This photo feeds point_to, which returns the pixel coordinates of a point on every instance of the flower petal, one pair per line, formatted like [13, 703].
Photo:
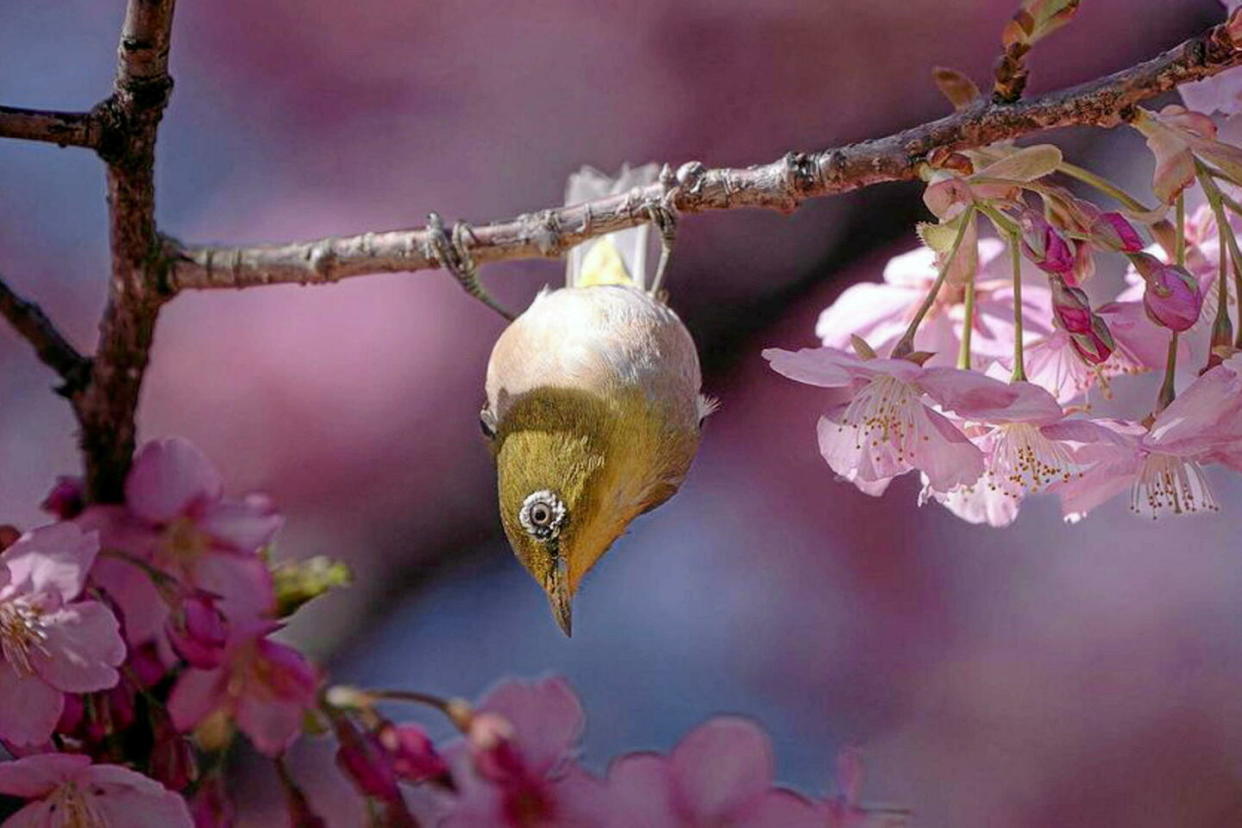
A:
[640, 787]
[82, 649]
[721, 767]
[168, 477]
[826, 367]
[52, 559]
[40, 774]
[29, 708]
[196, 694]
[978, 397]
[244, 525]
[945, 454]
[124, 797]
[547, 719]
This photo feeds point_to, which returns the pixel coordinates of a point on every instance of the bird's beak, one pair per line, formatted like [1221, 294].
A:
[560, 597]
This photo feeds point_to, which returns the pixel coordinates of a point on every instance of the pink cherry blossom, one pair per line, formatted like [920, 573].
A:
[177, 520]
[719, 774]
[1027, 446]
[516, 766]
[264, 686]
[67, 790]
[879, 313]
[1161, 466]
[889, 426]
[51, 642]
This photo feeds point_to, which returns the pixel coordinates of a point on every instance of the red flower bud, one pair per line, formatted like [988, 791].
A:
[1173, 298]
[1113, 232]
[413, 756]
[198, 631]
[365, 761]
[1070, 306]
[1095, 345]
[1043, 245]
[65, 500]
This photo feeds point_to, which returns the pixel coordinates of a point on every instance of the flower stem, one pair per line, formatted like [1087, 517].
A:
[1222, 330]
[1179, 253]
[1103, 185]
[345, 697]
[1167, 394]
[1015, 256]
[968, 325]
[905, 345]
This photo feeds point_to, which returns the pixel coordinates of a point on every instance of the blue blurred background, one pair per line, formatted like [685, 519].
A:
[1039, 675]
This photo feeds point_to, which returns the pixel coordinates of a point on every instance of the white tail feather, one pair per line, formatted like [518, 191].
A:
[617, 258]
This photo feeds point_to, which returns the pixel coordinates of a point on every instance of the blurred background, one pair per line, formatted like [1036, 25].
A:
[1039, 675]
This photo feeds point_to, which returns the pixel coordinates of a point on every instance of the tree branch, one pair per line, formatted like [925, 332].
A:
[106, 410]
[29, 320]
[780, 185]
[67, 129]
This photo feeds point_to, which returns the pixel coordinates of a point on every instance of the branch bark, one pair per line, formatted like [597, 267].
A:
[67, 129]
[780, 185]
[135, 292]
[29, 320]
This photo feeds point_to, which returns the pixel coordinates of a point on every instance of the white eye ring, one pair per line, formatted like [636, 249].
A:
[542, 515]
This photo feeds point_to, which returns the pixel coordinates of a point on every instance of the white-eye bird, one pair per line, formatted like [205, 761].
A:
[593, 406]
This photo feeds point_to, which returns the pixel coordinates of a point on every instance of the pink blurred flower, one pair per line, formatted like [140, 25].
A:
[846, 811]
[210, 805]
[414, 757]
[879, 313]
[888, 428]
[516, 767]
[1161, 465]
[365, 761]
[66, 499]
[264, 686]
[177, 520]
[719, 774]
[67, 790]
[51, 643]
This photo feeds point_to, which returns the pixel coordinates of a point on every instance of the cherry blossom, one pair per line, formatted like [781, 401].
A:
[516, 768]
[68, 790]
[879, 313]
[1162, 466]
[262, 685]
[888, 427]
[176, 520]
[52, 642]
[719, 774]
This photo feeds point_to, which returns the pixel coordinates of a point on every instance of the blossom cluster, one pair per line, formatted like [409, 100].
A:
[989, 364]
[136, 643]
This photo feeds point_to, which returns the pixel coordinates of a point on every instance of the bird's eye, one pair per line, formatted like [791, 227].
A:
[542, 515]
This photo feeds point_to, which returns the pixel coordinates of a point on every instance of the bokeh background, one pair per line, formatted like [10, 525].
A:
[1033, 676]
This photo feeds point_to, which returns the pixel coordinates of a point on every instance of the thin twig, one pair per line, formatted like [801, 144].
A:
[29, 320]
[68, 129]
[780, 185]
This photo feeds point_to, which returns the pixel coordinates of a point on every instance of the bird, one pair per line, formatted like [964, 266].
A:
[594, 405]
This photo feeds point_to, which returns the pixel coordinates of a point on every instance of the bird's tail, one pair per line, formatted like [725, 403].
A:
[621, 258]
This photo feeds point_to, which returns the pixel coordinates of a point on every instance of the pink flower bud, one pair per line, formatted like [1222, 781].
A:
[413, 756]
[365, 761]
[71, 715]
[1172, 299]
[198, 631]
[1113, 232]
[1043, 245]
[1070, 306]
[65, 500]
[1095, 345]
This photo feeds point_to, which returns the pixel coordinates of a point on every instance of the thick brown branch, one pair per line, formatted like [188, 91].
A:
[68, 129]
[106, 411]
[780, 185]
[29, 320]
